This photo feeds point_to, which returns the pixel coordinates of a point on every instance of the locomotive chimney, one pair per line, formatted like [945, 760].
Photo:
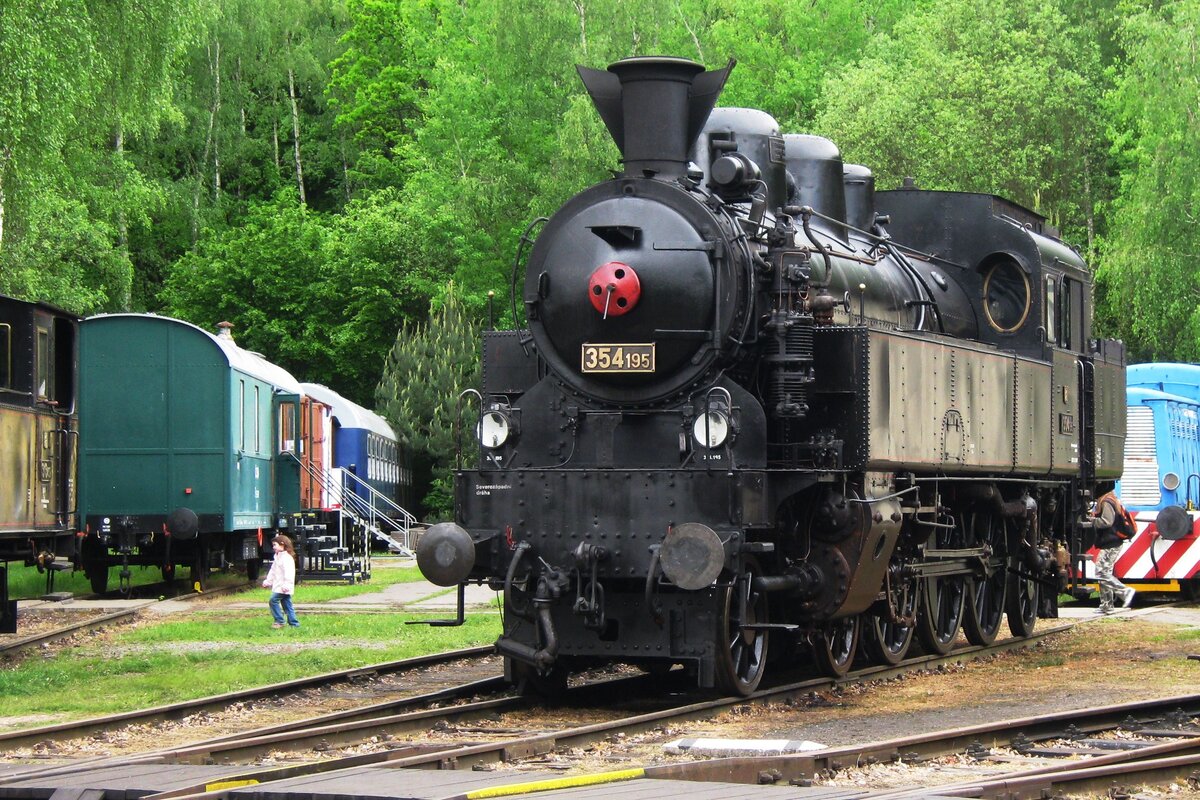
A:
[654, 108]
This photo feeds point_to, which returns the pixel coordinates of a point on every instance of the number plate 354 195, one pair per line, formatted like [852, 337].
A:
[618, 358]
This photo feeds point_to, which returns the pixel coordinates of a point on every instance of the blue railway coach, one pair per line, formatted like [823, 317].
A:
[364, 445]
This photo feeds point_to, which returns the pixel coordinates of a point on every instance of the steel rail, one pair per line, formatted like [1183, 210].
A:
[286, 735]
[29, 736]
[1153, 762]
[37, 639]
[456, 755]
[924, 746]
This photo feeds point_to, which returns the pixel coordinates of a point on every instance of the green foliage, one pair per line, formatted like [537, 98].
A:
[158, 170]
[323, 294]
[77, 84]
[431, 364]
[1150, 271]
[995, 96]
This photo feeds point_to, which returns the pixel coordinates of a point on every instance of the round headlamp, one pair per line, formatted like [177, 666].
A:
[1170, 481]
[711, 429]
[494, 429]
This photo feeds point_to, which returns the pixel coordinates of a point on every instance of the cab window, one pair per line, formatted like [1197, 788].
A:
[1051, 309]
[1006, 295]
[1071, 317]
[5, 356]
[45, 378]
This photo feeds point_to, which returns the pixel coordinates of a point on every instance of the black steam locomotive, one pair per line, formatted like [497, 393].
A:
[757, 399]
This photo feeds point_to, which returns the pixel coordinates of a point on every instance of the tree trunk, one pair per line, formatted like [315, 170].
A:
[296, 135]
[581, 10]
[275, 139]
[345, 167]
[208, 140]
[216, 111]
[126, 291]
[1089, 208]
[5, 156]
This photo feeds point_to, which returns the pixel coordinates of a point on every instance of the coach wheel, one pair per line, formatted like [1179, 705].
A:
[884, 640]
[91, 557]
[168, 573]
[940, 612]
[835, 646]
[1022, 599]
[200, 566]
[1190, 587]
[986, 594]
[97, 575]
[741, 651]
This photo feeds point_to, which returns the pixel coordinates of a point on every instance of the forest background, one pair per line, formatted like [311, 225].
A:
[326, 173]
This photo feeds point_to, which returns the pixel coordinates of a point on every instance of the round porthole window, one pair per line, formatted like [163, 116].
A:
[1006, 295]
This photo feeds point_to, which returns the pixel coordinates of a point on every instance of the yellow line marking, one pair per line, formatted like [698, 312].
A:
[219, 785]
[556, 783]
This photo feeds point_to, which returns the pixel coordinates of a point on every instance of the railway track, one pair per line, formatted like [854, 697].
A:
[14, 646]
[508, 732]
[1087, 750]
[174, 711]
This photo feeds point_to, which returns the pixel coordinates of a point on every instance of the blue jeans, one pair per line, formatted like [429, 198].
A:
[278, 599]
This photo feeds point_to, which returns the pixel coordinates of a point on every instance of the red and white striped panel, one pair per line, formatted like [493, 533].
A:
[1148, 557]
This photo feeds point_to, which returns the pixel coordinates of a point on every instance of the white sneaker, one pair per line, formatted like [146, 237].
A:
[1104, 610]
[1127, 598]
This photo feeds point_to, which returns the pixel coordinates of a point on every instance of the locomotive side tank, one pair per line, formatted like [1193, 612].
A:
[755, 399]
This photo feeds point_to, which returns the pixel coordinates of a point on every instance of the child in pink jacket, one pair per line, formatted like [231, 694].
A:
[281, 580]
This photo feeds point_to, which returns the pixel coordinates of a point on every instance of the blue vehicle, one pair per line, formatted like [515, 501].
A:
[367, 460]
[1161, 480]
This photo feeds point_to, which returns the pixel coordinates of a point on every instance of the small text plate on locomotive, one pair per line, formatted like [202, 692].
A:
[617, 357]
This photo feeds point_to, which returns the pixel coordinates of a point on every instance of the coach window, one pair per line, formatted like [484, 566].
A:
[242, 416]
[287, 428]
[257, 421]
[1051, 309]
[5, 356]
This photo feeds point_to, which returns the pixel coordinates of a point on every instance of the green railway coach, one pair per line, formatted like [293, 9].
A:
[188, 451]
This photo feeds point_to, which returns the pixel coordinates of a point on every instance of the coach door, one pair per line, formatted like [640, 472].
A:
[288, 452]
[314, 421]
[54, 404]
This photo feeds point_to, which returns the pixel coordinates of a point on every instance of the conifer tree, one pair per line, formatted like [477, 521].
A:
[430, 365]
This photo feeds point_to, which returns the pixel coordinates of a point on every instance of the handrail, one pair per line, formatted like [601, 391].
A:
[364, 510]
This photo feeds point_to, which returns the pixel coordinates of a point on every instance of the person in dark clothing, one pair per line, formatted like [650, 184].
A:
[1114, 527]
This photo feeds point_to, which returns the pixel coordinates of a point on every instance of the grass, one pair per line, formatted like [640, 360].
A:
[213, 652]
[214, 649]
[25, 583]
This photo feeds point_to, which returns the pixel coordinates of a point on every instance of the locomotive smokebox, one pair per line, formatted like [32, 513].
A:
[446, 554]
[654, 108]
